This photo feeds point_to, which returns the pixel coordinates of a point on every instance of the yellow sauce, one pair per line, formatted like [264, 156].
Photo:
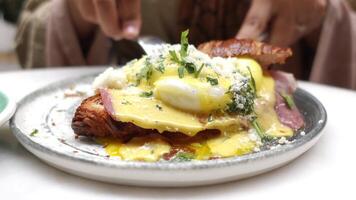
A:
[229, 143]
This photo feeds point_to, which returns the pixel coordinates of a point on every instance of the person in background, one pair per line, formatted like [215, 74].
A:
[322, 33]
[10, 9]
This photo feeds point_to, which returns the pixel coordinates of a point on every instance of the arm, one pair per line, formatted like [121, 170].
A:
[288, 21]
[78, 31]
[30, 34]
[335, 60]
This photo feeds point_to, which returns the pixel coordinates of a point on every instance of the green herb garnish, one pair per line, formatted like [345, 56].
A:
[212, 81]
[145, 72]
[34, 132]
[260, 132]
[190, 67]
[253, 83]
[181, 71]
[125, 102]
[146, 94]
[160, 67]
[289, 100]
[184, 43]
[183, 157]
[199, 70]
[159, 107]
[181, 59]
[174, 56]
[243, 98]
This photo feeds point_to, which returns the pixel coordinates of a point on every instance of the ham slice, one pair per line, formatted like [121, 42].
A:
[286, 85]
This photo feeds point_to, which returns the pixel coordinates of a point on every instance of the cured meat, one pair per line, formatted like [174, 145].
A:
[265, 54]
[286, 85]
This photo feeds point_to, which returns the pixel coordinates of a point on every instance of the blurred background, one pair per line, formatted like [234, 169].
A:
[9, 13]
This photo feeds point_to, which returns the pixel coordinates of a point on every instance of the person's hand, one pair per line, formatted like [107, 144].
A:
[118, 19]
[283, 21]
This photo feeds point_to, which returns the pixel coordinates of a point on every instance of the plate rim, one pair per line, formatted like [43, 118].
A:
[9, 109]
[196, 165]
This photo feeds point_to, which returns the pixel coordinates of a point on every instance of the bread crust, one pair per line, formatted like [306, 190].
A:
[264, 53]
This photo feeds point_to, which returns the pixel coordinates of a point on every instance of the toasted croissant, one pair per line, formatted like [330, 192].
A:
[265, 54]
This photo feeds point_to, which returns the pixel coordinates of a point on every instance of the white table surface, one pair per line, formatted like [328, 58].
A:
[327, 171]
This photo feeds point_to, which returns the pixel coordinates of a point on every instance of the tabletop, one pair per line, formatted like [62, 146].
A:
[327, 170]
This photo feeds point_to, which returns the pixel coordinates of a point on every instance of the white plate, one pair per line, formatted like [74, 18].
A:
[7, 108]
[49, 112]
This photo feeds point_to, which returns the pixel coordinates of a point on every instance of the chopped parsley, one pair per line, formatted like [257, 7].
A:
[243, 98]
[159, 107]
[212, 81]
[34, 132]
[145, 72]
[146, 94]
[180, 59]
[288, 100]
[183, 157]
[199, 70]
[160, 67]
[260, 132]
[253, 82]
[174, 56]
[125, 102]
[181, 71]
[184, 43]
[190, 67]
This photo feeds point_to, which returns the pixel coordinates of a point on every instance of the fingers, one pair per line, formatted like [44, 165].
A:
[117, 18]
[282, 34]
[130, 17]
[108, 18]
[87, 10]
[256, 20]
[285, 29]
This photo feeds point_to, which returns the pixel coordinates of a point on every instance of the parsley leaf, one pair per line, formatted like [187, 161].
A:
[125, 102]
[190, 67]
[289, 100]
[159, 107]
[160, 67]
[145, 72]
[184, 43]
[146, 94]
[260, 132]
[253, 82]
[181, 71]
[243, 98]
[199, 70]
[212, 81]
[183, 52]
[174, 56]
[34, 132]
[183, 157]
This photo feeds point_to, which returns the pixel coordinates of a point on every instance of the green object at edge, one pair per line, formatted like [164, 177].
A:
[3, 102]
